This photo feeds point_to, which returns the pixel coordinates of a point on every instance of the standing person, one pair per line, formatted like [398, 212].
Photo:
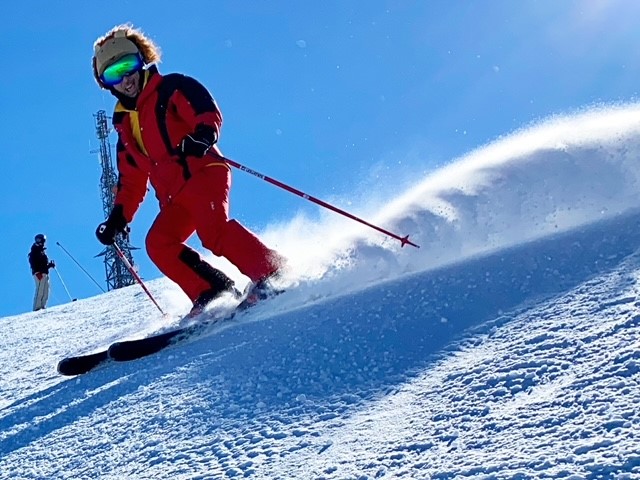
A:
[168, 127]
[40, 266]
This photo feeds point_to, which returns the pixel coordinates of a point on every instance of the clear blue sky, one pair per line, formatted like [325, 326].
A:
[315, 94]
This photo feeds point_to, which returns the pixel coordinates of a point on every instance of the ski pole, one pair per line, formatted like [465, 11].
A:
[135, 275]
[403, 240]
[64, 285]
[71, 256]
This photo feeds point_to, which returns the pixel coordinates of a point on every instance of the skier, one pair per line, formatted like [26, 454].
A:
[168, 127]
[40, 265]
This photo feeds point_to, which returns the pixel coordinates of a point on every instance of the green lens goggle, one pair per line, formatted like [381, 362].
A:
[123, 67]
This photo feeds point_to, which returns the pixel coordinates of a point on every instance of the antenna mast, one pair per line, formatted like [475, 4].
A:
[117, 274]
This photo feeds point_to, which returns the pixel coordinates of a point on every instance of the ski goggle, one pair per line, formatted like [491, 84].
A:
[123, 67]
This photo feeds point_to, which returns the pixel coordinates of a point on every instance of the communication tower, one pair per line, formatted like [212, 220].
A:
[117, 274]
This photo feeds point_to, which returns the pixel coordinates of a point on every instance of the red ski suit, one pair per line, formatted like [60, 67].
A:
[193, 193]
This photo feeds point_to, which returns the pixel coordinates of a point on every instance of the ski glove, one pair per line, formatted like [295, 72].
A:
[198, 143]
[52, 264]
[109, 229]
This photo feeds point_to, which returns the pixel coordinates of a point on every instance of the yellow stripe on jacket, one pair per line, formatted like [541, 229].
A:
[135, 128]
[135, 121]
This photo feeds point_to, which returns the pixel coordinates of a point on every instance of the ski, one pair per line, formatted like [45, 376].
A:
[126, 350]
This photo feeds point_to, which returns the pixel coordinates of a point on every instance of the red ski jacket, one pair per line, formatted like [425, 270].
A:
[168, 108]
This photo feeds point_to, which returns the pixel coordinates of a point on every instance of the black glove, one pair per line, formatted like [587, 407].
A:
[52, 264]
[116, 223]
[198, 143]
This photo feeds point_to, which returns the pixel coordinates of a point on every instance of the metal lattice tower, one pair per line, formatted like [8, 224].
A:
[118, 275]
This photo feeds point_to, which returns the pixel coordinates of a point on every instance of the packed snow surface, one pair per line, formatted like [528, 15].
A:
[506, 347]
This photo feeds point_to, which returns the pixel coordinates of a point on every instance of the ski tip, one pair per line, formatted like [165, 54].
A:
[69, 368]
[61, 368]
[72, 366]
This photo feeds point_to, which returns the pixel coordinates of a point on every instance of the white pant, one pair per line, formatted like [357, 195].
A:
[42, 292]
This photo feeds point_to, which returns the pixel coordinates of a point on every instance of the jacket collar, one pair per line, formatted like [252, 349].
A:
[151, 76]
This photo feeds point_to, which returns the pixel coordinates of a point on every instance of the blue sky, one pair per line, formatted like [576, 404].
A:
[341, 100]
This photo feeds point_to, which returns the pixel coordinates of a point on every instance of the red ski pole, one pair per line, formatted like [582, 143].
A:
[135, 275]
[403, 240]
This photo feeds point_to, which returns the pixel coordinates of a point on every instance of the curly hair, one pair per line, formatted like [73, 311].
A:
[149, 51]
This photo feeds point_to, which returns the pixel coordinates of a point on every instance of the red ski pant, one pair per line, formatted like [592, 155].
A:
[202, 206]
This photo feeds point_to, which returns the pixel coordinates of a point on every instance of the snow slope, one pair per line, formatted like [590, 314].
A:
[507, 346]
